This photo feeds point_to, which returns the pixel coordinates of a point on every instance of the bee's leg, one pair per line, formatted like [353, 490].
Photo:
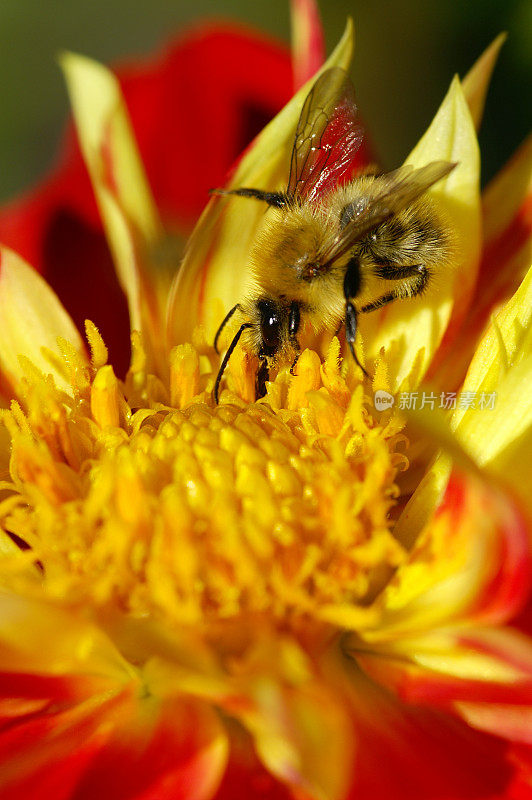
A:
[417, 272]
[226, 319]
[227, 356]
[275, 199]
[294, 362]
[297, 348]
[352, 281]
[263, 374]
[351, 332]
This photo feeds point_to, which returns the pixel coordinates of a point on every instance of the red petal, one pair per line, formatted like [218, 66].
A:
[111, 745]
[521, 786]
[416, 754]
[246, 778]
[197, 107]
[43, 755]
[406, 752]
[171, 751]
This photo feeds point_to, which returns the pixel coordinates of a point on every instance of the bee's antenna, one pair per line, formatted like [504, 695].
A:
[227, 356]
[224, 323]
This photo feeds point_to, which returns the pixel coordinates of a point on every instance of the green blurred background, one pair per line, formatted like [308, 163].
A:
[406, 54]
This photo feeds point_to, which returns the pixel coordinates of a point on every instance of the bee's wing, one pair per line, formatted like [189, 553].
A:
[401, 188]
[327, 138]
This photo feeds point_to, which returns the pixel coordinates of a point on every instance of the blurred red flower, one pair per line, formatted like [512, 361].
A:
[194, 108]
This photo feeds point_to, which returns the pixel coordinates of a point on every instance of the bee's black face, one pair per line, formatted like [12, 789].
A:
[270, 326]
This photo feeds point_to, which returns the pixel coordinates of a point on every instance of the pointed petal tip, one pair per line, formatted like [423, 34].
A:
[349, 34]
[77, 67]
[477, 80]
[64, 57]
[308, 43]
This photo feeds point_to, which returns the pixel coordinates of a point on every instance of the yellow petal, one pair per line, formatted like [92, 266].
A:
[295, 729]
[488, 431]
[31, 320]
[30, 641]
[506, 342]
[476, 82]
[126, 205]
[418, 324]
[497, 428]
[215, 268]
[293, 719]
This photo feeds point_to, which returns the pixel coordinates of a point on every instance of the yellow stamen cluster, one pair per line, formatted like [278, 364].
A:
[144, 496]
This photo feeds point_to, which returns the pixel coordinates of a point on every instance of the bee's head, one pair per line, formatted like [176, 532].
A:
[274, 323]
[278, 323]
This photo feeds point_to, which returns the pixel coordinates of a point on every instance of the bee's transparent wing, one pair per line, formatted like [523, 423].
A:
[402, 187]
[328, 136]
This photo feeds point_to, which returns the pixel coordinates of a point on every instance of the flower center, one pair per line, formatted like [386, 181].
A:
[199, 513]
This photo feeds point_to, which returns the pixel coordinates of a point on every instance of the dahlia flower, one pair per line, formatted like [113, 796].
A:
[312, 595]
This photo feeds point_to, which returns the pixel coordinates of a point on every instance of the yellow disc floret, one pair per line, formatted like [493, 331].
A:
[146, 497]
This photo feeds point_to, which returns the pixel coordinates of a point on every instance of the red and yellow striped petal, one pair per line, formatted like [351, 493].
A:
[441, 639]
[77, 720]
[409, 751]
[476, 82]
[293, 722]
[126, 205]
[289, 713]
[119, 745]
[482, 675]
[308, 44]
[471, 562]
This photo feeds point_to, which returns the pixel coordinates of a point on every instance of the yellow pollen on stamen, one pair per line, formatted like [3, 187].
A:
[200, 514]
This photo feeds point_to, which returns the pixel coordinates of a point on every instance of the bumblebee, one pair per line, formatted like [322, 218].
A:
[327, 243]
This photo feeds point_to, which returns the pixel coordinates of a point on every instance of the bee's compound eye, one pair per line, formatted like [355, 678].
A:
[270, 325]
[269, 330]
